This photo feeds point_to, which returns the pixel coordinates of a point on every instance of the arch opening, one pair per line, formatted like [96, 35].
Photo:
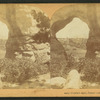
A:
[4, 32]
[74, 37]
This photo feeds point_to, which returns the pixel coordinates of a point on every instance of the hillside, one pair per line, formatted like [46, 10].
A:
[77, 42]
[74, 46]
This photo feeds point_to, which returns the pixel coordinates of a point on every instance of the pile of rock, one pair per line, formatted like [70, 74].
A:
[28, 48]
[43, 52]
[25, 48]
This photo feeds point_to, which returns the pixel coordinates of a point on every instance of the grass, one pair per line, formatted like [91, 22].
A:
[90, 68]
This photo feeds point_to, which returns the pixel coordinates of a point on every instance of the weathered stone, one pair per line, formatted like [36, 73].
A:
[23, 27]
[28, 53]
[73, 80]
[44, 77]
[60, 20]
[21, 48]
[33, 58]
[30, 41]
[26, 39]
[18, 55]
[27, 47]
[41, 46]
[25, 21]
[56, 82]
[58, 58]
[97, 54]
[42, 55]
[19, 20]
[11, 47]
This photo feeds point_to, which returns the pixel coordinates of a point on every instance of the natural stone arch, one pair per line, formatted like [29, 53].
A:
[87, 13]
[23, 26]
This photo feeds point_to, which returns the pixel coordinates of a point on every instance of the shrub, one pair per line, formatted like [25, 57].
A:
[60, 66]
[19, 70]
[91, 69]
[71, 64]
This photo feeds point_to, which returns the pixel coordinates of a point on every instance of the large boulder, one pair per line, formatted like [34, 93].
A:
[73, 80]
[56, 82]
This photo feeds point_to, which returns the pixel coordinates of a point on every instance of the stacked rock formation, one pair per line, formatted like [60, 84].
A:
[21, 42]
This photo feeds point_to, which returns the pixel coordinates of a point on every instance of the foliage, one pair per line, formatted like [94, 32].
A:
[60, 66]
[41, 18]
[43, 25]
[90, 68]
[71, 64]
[19, 70]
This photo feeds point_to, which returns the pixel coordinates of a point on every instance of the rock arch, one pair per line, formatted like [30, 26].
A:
[89, 14]
[23, 26]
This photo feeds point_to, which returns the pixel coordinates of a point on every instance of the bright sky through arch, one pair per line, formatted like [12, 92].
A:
[75, 29]
[3, 31]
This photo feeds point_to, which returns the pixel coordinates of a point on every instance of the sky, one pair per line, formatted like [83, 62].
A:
[3, 31]
[75, 29]
[49, 8]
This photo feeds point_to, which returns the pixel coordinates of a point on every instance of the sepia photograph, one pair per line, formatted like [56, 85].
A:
[51, 49]
[75, 52]
[24, 47]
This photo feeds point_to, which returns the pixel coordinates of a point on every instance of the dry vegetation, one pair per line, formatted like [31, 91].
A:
[20, 70]
[90, 68]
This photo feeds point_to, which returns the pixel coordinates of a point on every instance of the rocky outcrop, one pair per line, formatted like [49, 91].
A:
[42, 52]
[73, 80]
[24, 27]
[56, 82]
[87, 13]
[58, 58]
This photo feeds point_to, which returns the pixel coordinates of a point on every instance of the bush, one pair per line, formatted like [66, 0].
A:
[60, 66]
[19, 70]
[71, 64]
[91, 69]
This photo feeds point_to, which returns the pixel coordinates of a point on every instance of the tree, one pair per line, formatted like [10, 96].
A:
[44, 24]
